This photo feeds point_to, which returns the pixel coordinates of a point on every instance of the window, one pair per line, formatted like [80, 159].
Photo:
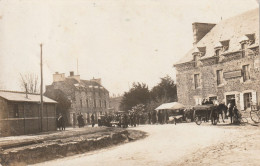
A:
[247, 100]
[105, 104]
[80, 103]
[197, 80]
[219, 77]
[196, 60]
[217, 52]
[95, 104]
[243, 47]
[100, 103]
[16, 111]
[87, 103]
[245, 72]
[212, 99]
[198, 101]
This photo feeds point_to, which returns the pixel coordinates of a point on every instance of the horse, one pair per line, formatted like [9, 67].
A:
[222, 110]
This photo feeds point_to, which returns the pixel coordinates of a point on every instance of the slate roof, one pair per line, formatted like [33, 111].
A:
[21, 97]
[232, 29]
[72, 83]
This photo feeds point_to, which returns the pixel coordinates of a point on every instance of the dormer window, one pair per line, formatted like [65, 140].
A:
[197, 54]
[196, 60]
[217, 52]
[243, 49]
[221, 46]
[246, 41]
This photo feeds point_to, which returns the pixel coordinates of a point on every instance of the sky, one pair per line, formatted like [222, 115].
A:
[119, 41]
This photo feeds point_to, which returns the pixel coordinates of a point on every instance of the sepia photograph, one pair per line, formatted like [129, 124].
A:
[129, 83]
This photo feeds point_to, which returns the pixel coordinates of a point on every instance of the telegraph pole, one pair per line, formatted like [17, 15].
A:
[41, 92]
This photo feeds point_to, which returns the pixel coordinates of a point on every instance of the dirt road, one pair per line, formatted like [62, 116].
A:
[183, 144]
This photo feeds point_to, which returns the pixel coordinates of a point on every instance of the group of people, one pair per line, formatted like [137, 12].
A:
[160, 117]
[229, 110]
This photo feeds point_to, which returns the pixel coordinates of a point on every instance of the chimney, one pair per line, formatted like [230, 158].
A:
[200, 30]
[76, 77]
[58, 77]
[97, 80]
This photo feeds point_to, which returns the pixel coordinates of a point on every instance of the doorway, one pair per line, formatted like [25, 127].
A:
[247, 100]
[231, 99]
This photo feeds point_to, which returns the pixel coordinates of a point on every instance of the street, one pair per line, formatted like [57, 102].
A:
[179, 144]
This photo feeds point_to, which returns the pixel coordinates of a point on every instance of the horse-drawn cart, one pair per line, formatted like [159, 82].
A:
[205, 113]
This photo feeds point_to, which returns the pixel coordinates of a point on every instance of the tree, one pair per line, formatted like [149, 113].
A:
[63, 102]
[138, 94]
[165, 91]
[29, 82]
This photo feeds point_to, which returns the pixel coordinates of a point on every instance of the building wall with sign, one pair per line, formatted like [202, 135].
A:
[233, 83]
[230, 62]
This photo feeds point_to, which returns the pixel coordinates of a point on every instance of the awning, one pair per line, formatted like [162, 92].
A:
[170, 106]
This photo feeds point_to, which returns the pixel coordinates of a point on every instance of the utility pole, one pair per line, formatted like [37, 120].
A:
[77, 66]
[41, 92]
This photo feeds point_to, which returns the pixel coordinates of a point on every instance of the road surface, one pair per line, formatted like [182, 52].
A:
[166, 145]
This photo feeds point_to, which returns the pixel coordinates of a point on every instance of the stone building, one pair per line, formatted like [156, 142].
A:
[75, 95]
[224, 63]
[20, 113]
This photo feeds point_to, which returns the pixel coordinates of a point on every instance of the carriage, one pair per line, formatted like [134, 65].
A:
[255, 113]
[205, 113]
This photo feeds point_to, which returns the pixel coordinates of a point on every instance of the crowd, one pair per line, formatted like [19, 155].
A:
[133, 118]
[226, 111]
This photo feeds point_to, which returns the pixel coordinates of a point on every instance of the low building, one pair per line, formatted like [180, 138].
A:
[75, 95]
[20, 113]
[224, 63]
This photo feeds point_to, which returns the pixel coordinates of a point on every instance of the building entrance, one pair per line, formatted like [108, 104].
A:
[231, 99]
[247, 100]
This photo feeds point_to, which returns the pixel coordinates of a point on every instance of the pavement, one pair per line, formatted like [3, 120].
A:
[181, 144]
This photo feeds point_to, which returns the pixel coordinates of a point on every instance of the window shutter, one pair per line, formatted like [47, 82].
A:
[196, 101]
[242, 107]
[200, 101]
[254, 97]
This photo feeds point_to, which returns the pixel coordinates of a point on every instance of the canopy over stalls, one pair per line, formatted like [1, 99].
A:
[170, 106]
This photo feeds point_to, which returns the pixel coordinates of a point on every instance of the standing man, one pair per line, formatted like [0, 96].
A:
[61, 122]
[74, 120]
[149, 117]
[93, 120]
[167, 117]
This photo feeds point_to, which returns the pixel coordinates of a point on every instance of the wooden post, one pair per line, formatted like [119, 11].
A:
[41, 91]
[24, 117]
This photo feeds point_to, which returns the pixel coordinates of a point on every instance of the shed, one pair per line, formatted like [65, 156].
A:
[20, 113]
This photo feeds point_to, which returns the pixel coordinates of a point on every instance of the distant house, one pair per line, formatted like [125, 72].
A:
[20, 113]
[75, 95]
[114, 103]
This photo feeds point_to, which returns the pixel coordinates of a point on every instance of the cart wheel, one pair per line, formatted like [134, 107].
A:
[255, 116]
[198, 120]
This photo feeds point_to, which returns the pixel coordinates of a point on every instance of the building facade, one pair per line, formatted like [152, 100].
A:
[224, 63]
[80, 96]
[20, 114]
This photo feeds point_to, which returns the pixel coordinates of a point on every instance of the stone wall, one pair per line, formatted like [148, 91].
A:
[232, 62]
